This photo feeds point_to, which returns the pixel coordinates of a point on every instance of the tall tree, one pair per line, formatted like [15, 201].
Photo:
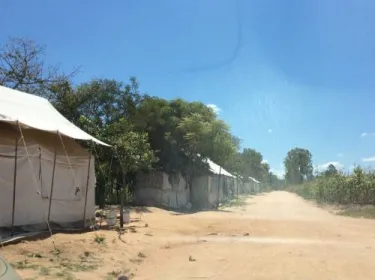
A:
[275, 182]
[105, 109]
[22, 67]
[249, 163]
[298, 166]
[330, 171]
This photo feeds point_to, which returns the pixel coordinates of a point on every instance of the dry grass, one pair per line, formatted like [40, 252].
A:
[354, 211]
[77, 256]
[366, 212]
[103, 254]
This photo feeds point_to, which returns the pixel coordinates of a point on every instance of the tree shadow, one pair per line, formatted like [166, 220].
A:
[136, 209]
[30, 236]
[176, 212]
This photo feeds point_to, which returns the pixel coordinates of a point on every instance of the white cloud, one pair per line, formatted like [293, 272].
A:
[324, 166]
[364, 134]
[270, 130]
[264, 161]
[369, 159]
[280, 173]
[214, 107]
[340, 155]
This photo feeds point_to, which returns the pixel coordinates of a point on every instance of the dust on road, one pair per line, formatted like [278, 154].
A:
[275, 236]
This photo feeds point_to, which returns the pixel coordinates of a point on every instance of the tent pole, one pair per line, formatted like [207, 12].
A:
[237, 186]
[14, 182]
[218, 189]
[87, 188]
[52, 182]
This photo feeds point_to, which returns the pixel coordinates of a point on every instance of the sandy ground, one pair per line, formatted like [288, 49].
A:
[275, 236]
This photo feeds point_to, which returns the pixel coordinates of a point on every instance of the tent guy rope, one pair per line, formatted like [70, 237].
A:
[35, 181]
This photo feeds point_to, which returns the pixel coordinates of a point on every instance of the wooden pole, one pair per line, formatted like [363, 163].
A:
[87, 189]
[122, 200]
[52, 181]
[14, 182]
[237, 186]
[218, 188]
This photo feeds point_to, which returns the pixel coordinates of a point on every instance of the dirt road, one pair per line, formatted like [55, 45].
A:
[275, 236]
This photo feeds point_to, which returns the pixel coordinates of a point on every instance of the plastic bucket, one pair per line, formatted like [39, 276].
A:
[111, 218]
[126, 216]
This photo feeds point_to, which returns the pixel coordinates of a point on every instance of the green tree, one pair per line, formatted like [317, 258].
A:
[249, 163]
[183, 132]
[330, 171]
[298, 166]
[105, 109]
[275, 182]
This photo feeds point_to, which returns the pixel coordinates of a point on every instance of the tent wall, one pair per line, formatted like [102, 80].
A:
[161, 189]
[34, 178]
[201, 192]
[208, 190]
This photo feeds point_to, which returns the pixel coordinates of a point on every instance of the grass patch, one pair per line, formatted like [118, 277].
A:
[77, 266]
[235, 202]
[34, 255]
[68, 265]
[56, 252]
[24, 265]
[141, 255]
[44, 271]
[136, 260]
[114, 273]
[65, 275]
[367, 212]
[100, 239]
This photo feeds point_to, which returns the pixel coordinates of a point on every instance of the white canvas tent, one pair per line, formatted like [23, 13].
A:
[217, 169]
[255, 185]
[44, 174]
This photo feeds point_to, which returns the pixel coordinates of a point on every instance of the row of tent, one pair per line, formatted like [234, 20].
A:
[217, 169]
[46, 177]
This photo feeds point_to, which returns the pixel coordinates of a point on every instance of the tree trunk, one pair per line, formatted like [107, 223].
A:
[218, 189]
[122, 200]
[122, 208]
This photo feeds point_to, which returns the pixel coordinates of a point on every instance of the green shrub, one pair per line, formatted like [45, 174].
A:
[341, 188]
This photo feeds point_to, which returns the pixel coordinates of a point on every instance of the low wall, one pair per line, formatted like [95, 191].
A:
[208, 190]
[160, 189]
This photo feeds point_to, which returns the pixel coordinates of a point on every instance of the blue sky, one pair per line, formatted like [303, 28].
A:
[283, 73]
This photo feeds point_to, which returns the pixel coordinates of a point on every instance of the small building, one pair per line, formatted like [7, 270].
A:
[254, 185]
[216, 187]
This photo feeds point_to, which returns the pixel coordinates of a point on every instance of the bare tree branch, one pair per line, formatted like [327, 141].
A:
[22, 67]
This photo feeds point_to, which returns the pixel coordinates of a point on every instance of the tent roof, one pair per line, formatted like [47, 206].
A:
[214, 168]
[254, 180]
[37, 112]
